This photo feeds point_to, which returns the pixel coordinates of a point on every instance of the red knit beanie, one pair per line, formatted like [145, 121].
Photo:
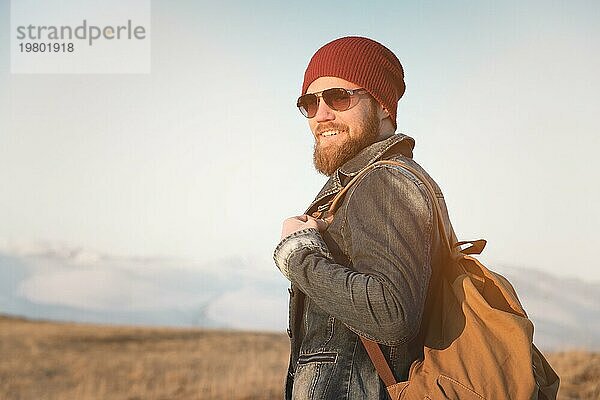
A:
[363, 62]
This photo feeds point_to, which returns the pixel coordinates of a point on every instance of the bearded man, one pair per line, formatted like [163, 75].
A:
[367, 271]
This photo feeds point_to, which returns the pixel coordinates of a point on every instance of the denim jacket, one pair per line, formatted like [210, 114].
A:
[368, 274]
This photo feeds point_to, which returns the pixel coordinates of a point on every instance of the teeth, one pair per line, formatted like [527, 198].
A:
[329, 133]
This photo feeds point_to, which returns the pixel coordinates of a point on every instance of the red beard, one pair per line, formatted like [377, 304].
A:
[328, 159]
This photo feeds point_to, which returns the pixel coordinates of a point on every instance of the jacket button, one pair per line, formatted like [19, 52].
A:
[291, 292]
[289, 333]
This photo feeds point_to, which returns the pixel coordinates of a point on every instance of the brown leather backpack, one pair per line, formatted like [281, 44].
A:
[478, 340]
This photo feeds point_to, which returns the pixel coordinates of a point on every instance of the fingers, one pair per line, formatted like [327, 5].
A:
[299, 222]
[320, 224]
[296, 218]
[294, 224]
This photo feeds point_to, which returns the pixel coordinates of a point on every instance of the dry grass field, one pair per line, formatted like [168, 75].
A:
[48, 360]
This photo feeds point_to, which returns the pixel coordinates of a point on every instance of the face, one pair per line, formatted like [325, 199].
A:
[341, 135]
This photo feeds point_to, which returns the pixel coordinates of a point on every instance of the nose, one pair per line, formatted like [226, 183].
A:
[324, 113]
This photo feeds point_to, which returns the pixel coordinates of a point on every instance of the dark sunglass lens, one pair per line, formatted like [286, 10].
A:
[308, 105]
[337, 98]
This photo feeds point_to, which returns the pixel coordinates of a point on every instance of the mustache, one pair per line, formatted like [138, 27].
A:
[329, 126]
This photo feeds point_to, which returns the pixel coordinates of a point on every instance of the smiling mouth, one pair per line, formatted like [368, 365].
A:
[329, 133]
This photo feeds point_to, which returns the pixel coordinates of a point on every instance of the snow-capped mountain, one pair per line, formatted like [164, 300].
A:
[54, 282]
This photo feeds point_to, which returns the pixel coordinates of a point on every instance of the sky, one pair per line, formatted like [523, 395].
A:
[202, 158]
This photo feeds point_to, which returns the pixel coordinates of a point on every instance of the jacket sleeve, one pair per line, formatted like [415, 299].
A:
[387, 233]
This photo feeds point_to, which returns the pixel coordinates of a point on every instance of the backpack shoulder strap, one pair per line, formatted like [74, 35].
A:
[336, 201]
[378, 359]
[373, 350]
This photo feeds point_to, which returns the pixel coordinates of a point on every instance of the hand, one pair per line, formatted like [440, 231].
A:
[297, 223]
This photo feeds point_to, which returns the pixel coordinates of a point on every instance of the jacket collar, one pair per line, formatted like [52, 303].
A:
[395, 144]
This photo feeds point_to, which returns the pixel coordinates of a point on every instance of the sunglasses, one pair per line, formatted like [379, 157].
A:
[338, 99]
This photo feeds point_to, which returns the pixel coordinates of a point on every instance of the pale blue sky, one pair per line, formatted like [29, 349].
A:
[204, 157]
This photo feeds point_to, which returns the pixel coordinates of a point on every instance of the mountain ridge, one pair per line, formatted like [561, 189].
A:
[60, 284]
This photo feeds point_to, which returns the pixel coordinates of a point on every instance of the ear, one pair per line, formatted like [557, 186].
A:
[382, 113]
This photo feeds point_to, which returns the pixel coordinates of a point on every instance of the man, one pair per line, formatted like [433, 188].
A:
[367, 271]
